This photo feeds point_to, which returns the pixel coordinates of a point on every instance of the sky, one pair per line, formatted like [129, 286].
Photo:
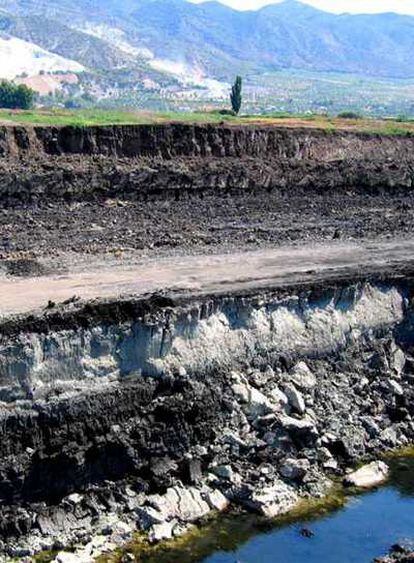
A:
[337, 6]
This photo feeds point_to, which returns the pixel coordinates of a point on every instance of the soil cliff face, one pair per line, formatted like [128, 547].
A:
[150, 160]
[155, 410]
[174, 140]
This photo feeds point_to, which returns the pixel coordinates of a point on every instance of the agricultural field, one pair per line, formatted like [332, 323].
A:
[84, 118]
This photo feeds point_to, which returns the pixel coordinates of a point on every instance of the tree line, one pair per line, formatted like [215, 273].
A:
[16, 96]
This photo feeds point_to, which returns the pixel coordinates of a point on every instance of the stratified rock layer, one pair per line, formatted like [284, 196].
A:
[174, 409]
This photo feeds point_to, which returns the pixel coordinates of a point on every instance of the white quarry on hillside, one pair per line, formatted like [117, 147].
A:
[115, 37]
[18, 56]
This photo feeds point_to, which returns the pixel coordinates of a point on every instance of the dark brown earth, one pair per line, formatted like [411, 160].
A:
[202, 225]
[177, 189]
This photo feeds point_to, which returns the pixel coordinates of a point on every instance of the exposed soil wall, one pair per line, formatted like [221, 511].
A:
[176, 140]
[172, 160]
[154, 411]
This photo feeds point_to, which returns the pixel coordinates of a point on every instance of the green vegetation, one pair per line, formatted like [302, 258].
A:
[349, 115]
[236, 95]
[87, 117]
[15, 96]
[45, 557]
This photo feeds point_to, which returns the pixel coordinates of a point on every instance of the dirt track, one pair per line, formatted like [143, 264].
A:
[210, 274]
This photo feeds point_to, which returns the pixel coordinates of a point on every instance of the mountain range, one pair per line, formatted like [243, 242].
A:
[165, 40]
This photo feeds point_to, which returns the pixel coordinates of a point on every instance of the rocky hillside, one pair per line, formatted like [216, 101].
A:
[218, 40]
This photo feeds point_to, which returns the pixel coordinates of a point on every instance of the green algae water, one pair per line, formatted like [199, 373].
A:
[344, 529]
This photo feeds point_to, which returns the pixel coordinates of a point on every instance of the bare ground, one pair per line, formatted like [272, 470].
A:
[208, 273]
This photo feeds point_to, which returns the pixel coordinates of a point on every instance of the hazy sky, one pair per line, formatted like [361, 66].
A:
[338, 6]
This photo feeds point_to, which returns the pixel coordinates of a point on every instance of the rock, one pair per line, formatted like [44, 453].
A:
[75, 498]
[122, 529]
[295, 398]
[395, 387]
[295, 469]
[226, 472]
[149, 516]
[266, 469]
[398, 360]
[299, 427]
[200, 451]
[397, 554]
[368, 476]
[192, 471]
[330, 465]
[306, 533]
[389, 437]
[19, 552]
[328, 439]
[66, 557]
[278, 397]
[370, 426]
[216, 500]
[257, 404]
[233, 439]
[259, 379]
[55, 522]
[273, 500]
[303, 377]
[162, 531]
[324, 454]
[185, 504]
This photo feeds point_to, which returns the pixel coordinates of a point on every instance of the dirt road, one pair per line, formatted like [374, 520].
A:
[209, 274]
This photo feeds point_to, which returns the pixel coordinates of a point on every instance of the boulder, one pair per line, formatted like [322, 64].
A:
[273, 500]
[304, 427]
[256, 403]
[162, 531]
[184, 504]
[368, 476]
[303, 377]
[370, 426]
[216, 500]
[324, 454]
[295, 469]
[395, 388]
[226, 472]
[278, 397]
[330, 465]
[75, 498]
[295, 398]
[397, 361]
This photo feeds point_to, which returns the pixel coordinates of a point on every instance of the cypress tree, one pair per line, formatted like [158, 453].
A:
[236, 95]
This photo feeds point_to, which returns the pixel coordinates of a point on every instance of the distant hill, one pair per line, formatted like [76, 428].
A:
[220, 40]
[140, 45]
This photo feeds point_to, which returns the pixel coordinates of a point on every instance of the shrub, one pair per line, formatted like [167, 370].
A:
[349, 115]
[222, 112]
